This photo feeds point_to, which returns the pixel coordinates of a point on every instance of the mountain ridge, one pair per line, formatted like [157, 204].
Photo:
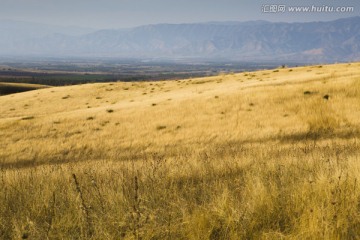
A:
[333, 41]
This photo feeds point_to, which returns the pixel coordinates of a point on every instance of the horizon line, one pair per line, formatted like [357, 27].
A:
[168, 23]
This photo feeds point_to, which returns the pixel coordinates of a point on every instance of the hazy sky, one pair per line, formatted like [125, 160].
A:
[129, 13]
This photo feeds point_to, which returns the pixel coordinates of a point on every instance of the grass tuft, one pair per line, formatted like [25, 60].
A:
[28, 118]
[160, 127]
[321, 119]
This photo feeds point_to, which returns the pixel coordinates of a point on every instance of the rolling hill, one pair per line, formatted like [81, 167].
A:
[11, 88]
[268, 155]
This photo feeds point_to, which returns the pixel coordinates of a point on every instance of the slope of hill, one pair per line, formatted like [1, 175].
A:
[259, 40]
[10, 88]
[268, 154]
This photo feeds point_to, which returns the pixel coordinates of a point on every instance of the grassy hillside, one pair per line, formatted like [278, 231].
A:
[265, 155]
[10, 88]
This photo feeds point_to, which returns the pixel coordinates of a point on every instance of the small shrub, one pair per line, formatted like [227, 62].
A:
[103, 124]
[161, 127]
[110, 110]
[28, 118]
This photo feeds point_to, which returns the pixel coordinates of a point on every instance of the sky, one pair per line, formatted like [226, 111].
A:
[105, 14]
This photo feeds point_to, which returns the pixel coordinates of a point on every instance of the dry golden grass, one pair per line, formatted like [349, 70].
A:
[257, 155]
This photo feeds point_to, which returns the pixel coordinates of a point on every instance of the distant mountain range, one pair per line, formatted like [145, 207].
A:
[333, 41]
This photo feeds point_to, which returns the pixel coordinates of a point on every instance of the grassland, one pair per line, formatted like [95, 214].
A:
[260, 155]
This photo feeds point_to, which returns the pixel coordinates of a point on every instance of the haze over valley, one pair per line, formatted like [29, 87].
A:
[333, 41]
